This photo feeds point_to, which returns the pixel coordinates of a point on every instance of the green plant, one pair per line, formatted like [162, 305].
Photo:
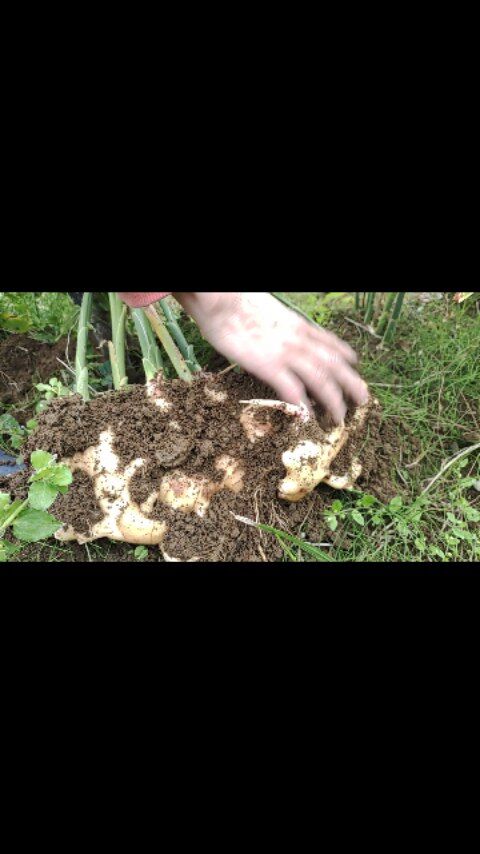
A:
[118, 316]
[28, 519]
[140, 553]
[288, 541]
[164, 336]
[50, 391]
[393, 322]
[427, 528]
[370, 308]
[45, 316]
[185, 348]
[7, 550]
[461, 520]
[312, 305]
[385, 316]
[358, 514]
[151, 356]
[147, 324]
[15, 432]
[81, 368]
[388, 321]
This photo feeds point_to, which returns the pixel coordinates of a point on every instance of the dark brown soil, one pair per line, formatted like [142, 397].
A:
[208, 430]
[24, 361]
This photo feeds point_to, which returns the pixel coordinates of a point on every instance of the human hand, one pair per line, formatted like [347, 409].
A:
[296, 358]
[141, 300]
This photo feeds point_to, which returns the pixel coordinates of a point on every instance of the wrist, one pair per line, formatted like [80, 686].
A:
[208, 308]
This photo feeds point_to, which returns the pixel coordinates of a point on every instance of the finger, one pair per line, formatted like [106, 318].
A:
[330, 341]
[141, 300]
[330, 395]
[353, 386]
[327, 369]
[328, 362]
[288, 386]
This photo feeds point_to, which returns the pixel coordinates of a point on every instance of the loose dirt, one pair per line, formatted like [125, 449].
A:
[191, 437]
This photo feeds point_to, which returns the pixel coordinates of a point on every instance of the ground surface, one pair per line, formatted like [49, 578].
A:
[428, 384]
[197, 432]
[24, 361]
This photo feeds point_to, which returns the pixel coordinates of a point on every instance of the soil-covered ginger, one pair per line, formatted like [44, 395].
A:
[156, 464]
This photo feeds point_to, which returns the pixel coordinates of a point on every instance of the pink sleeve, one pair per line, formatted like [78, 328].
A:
[140, 300]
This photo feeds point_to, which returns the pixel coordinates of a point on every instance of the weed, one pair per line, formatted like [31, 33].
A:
[15, 432]
[54, 389]
[28, 519]
[45, 316]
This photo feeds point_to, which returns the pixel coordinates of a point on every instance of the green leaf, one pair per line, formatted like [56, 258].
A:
[8, 511]
[367, 501]
[402, 527]
[40, 459]
[396, 503]
[14, 324]
[7, 550]
[467, 482]
[32, 424]
[471, 514]
[5, 500]
[436, 552]
[49, 315]
[358, 518]
[61, 476]
[9, 425]
[337, 506]
[332, 522]
[34, 525]
[43, 474]
[42, 495]
[461, 535]
[420, 544]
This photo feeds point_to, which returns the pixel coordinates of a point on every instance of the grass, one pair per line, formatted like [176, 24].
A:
[428, 380]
